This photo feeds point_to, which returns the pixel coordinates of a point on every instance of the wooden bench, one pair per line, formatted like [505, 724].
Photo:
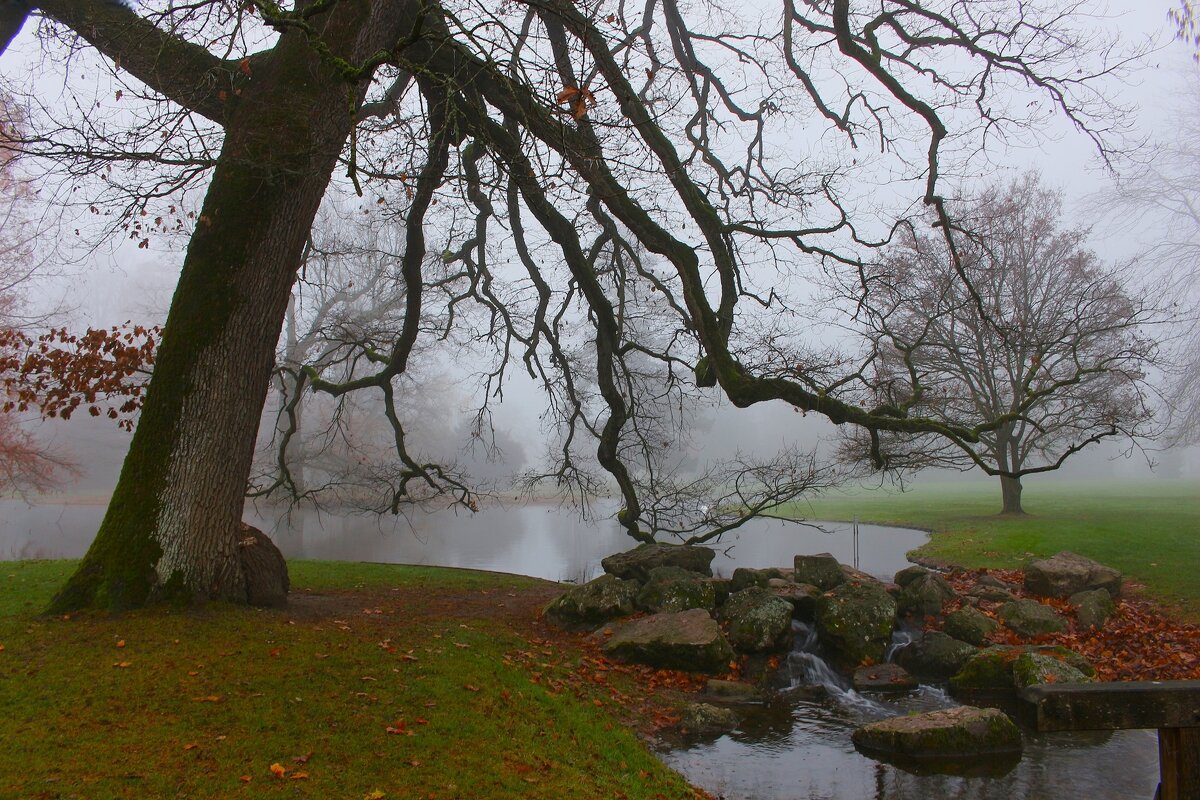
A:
[1173, 707]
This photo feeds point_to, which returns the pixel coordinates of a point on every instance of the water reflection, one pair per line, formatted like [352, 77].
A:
[545, 541]
[803, 750]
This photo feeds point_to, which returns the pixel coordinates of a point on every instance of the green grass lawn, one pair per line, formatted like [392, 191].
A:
[1148, 530]
[378, 681]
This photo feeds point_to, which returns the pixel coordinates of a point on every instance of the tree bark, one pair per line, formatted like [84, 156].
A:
[171, 527]
[1010, 490]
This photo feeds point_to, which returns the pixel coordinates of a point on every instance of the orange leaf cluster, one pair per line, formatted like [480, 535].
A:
[102, 370]
[577, 99]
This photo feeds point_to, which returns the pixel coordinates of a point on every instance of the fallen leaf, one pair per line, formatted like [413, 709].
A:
[121, 664]
[278, 770]
[120, 643]
[298, 776]
[302, 759]
[374, 795]
[470, 687]
[245, 779]
[211, 698]
[190, 746]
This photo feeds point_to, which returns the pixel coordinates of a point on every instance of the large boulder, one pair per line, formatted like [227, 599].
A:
[758, 621]
[1092, 608]
[889, 678]
[924, 595]
[970, 625]
[599, 600]
[855, 622]
[636, 564]
[745, 577]
[935, 655]
[706, 719]
[687, 640]
[676, 589]
[821, 570]
[909, 574]
[962, 732]
[1031, 618]
[263, 566]
[990, 671]
[803, 598]
[1033, 668]
[1066, 573]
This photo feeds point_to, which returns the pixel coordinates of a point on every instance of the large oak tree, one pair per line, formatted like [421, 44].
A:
[553, 164]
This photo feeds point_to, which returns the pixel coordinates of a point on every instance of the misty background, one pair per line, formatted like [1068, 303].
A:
[119, 282]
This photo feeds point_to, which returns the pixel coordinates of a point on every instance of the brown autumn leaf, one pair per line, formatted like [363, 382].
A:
[278, 770]
[211, 698]
[470, 687]
[190, 746]
[122, 664]
[245, 778]
[302, 760]
[298, 776]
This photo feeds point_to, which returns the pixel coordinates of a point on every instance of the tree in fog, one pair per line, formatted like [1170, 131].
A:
[529, 151]
[1161, 195]
[1023, 327]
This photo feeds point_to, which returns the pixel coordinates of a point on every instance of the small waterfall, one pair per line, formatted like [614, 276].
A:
[901, 638]
[806, 667]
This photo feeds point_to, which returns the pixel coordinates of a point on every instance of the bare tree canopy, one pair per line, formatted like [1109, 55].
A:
[1159, 199]
[1041, 339]
[629, 198]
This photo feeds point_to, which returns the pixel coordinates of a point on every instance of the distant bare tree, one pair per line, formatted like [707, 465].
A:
[1159, 198]
[1026, 329]
[529, 150]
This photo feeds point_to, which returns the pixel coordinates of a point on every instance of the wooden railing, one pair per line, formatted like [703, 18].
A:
[1173, 707]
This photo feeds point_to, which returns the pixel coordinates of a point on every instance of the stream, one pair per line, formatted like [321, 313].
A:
[795, 749]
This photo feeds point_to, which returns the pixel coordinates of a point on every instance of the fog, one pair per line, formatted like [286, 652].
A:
[121, 283]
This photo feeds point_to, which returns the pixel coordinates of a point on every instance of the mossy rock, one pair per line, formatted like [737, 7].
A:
[821, 570]
[745, 577]
[636, 564]
[596, 601]
[924, 595]
[706, 719]
[688, 640]
[963, 732]
[936, 655]
[991, 669]
[1031, 618]
[855, 622]
[970, 625]
[1092, 608]
[1030, 669]
[759, 622]
[676, 589]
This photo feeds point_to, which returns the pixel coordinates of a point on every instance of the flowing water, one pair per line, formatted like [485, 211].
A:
[798, 748]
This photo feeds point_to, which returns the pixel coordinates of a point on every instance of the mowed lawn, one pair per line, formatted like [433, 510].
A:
[1149, 530]
[378, 682]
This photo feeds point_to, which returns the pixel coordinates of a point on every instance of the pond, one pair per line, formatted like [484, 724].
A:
[542, 540]
[797, 748]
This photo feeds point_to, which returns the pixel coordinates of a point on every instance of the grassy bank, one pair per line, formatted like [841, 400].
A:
[377, 682]
[1149, 530]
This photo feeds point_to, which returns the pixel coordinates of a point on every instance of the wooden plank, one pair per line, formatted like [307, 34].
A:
[1115, 706]
[1179, 763]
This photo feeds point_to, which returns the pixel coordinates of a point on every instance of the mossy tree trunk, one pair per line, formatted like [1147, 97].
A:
[171, 526]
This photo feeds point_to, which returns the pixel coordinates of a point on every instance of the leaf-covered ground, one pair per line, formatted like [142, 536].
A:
[380, 682]
[1137, 643]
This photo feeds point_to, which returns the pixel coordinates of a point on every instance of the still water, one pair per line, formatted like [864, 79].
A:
[546, 541]
[797, 749]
